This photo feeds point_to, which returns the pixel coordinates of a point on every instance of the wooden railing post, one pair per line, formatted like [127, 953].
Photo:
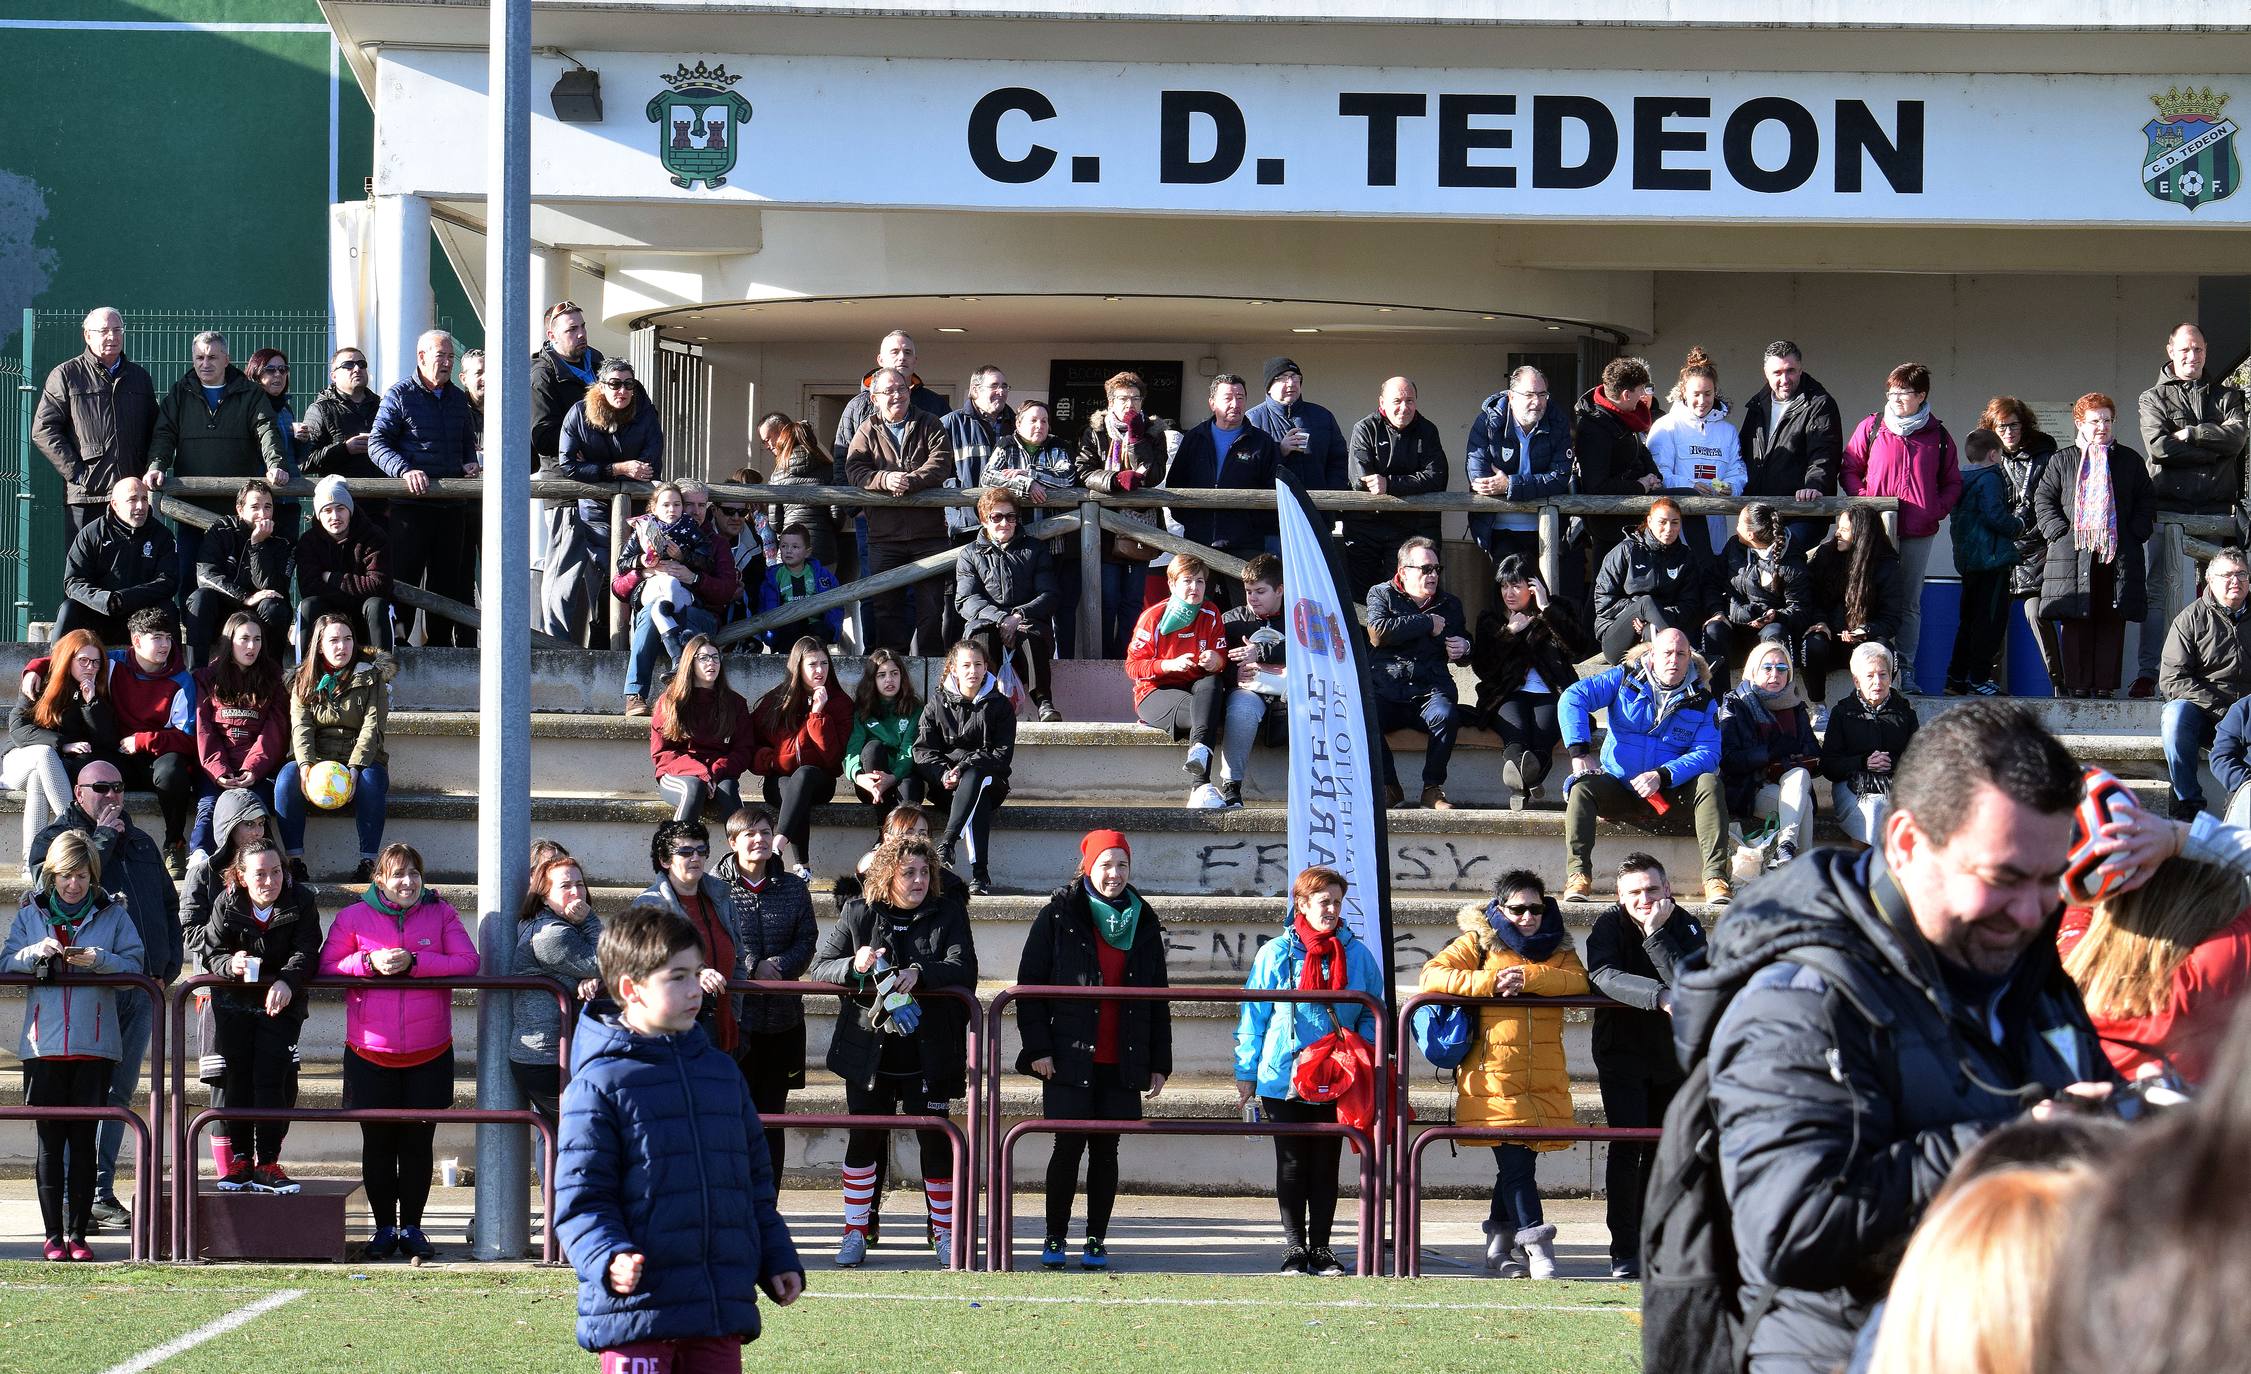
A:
[1092, 621]
[621, 614]
[1551, 549]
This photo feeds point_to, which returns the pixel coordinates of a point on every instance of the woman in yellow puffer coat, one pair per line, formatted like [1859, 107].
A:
[1515, 946]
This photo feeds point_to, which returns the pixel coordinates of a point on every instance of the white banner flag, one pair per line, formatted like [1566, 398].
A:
[1336, 792]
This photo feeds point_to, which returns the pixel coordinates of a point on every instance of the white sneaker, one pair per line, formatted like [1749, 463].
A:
[852, 1251]
[1205, 797]
[942, 1244]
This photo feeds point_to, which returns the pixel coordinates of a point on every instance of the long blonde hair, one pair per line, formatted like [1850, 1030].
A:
[2124, 964]
[1971, 1290]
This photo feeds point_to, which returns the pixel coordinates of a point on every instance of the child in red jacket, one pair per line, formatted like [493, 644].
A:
[1178, 663]
[799, 732]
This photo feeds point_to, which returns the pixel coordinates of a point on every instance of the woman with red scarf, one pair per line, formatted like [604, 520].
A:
[1317, 953]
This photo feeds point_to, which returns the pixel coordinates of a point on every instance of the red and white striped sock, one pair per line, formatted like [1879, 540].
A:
[939, 1193]
[859, 1195]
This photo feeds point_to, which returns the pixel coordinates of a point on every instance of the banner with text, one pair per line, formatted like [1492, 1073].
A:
[1190, 138]
[1336, 793]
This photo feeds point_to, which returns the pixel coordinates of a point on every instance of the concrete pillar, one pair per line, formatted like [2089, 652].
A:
[402, 286]
[550, 282]
[504, 642]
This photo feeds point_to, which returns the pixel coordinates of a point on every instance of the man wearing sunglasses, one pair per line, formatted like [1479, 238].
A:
[132, 868]
[341, 416]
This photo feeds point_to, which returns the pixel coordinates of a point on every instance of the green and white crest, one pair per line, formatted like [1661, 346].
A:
[2191, 159]
[699, 124]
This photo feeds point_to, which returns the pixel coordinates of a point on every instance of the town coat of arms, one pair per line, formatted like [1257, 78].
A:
[2191, 158]
[699, 123]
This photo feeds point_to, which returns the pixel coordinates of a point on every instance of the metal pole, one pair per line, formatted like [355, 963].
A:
[1091, 618]
[504, 641]
[23, 483]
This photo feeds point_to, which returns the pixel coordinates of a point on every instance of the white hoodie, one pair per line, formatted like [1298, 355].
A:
[1687, 451]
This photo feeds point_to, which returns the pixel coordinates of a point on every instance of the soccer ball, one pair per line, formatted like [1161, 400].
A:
[328, 785]
[2192, 184]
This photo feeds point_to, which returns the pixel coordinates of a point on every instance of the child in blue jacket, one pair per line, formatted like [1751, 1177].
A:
[665, 1195]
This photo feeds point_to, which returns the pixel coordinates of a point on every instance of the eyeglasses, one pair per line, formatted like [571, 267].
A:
[352, 365]
[691, 851]
[1529, 395]
[1524, 908]
[1431, 568]
[1901, 395]
[2230, 575]
[105, 788]
[707, 658]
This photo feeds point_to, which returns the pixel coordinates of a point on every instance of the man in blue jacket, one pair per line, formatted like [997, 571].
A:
[1519, 450]
[1660, 749]
[1311, 443]
[665, 1195]
[425, 429]
[1226, 453]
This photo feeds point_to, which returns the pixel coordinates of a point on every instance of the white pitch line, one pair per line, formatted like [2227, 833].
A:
[1354, 1304]
[241, 1316]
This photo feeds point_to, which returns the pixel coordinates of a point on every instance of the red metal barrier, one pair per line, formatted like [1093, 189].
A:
[149, 1156]
[1371, 1144]
[962, 1138]
[1407, 1225]
[187, 1168]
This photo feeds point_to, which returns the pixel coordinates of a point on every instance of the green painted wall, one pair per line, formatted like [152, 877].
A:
[169, 169]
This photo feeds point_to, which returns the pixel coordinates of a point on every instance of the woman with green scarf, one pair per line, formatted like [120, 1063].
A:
[68, 926]
[339, 702]
[1180, 672]
[1096, 1059]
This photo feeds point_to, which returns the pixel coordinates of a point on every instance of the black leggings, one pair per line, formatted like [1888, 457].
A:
[542, 1087]
[396, 1157]
[875, 757]
[1195, 713]
[261, 1071]
[975, 798]
[66, 1164]
[793, 799]
[772, 1063]
[689, 796]
[1106, 1098]
[1305, 1171]
[890, 1096]
[1529, 728]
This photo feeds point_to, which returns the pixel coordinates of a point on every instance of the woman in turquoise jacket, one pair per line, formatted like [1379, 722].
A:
[1318, 951]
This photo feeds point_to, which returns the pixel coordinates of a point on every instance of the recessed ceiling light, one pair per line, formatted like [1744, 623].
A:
[1488, 317]
[951, 329]
[696, 316]
[1110, 298]
[1383, 310]
[972, 298]
[703, 338]
[1304, 329]
[1557, 327]
[1254, 302]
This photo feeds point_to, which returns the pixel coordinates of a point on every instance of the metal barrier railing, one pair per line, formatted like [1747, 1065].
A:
[999, 1257]
[1412, 1142]
[185, 1129]
[963, 1139]
[148, 1168]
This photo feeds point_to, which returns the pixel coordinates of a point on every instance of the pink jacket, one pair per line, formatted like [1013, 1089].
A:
[407, 1020]
[1921, 470]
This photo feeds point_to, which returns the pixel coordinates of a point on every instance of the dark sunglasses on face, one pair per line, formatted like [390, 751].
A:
[1523, 908]
[691, 851]
[352, 365]
[105, 788]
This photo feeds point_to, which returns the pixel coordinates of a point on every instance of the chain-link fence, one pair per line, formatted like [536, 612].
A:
[17, 394]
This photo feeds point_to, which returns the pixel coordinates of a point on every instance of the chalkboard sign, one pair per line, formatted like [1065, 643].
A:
[1074, 389]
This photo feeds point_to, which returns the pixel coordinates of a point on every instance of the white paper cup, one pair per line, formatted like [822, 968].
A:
[251, 964]
[449, 1172]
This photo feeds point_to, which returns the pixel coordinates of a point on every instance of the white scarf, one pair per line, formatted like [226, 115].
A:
[1908, 426]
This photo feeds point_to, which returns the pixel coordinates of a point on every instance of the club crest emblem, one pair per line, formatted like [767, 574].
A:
[699, 123]
[2191, 158]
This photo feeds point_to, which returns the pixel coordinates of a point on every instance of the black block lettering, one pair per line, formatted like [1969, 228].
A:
[1549, 172]
[1743, 126]
[984, 135]
[1457, 139]
[1899, 159]
[1652, 140]
[1178, 110]
[1383, 110]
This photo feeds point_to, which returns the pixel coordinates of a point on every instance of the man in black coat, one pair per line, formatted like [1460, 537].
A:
[95, 418]
[132, 871]
[1226, 453]
[1419, 630]
[1894, 1007]
[1793, 440]
[1004, 592]
[1633, 954]
[1396, 451]
[116, 565]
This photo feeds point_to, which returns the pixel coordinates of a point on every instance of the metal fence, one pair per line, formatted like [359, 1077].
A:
[18, 394]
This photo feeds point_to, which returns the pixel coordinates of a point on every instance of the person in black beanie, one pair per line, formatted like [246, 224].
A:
[1311, 441]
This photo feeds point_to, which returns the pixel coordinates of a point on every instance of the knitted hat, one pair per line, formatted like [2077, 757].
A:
[1097, 841]
[332, 490]
[1275, 367]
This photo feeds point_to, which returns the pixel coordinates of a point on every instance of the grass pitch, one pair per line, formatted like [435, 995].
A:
[57, 1319]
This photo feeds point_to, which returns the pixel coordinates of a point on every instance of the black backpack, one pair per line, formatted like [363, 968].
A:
[1694, 1319]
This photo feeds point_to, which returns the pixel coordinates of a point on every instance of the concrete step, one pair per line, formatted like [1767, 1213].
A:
[1240, 852]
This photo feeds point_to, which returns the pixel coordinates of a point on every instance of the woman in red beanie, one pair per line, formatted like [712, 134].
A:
[1095, 1059]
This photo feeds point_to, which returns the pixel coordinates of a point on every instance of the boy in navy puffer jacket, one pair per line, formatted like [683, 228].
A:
[665, 1196]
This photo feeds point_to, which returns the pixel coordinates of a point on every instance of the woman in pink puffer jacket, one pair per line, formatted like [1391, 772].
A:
[398, 1043]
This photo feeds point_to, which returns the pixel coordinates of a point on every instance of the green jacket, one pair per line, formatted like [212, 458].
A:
[239, 439]
[346, 722]
[894, 732]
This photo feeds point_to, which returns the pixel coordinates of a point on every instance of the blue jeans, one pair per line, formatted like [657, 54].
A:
[133, 1016]
[199, 839]
[2187, 731]
[646, 643]
[1516, 1191]
[371, 788]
